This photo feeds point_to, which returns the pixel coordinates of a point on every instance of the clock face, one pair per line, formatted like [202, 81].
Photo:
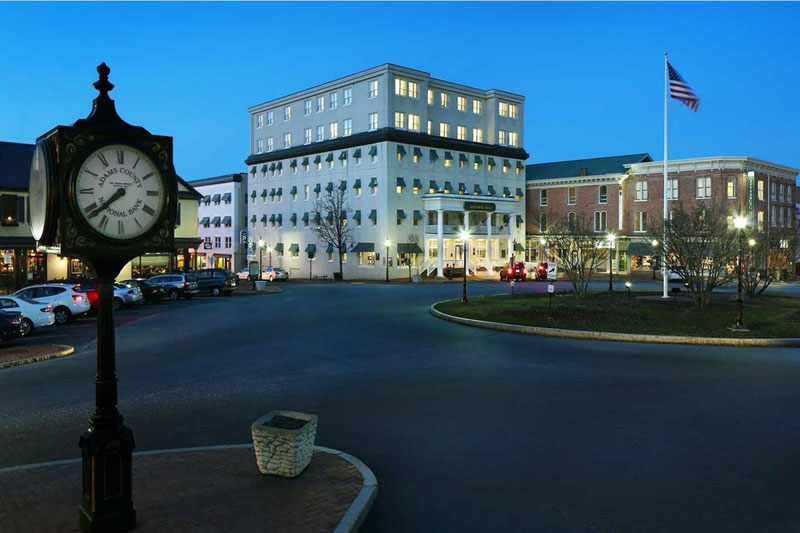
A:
[38, 191]
[119, 192]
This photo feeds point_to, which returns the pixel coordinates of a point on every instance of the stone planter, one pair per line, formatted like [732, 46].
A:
[284, 442]
[261, 284]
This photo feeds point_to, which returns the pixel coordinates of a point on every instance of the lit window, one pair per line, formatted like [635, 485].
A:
[505, 168]
[287, 140]
[602, 194]
[543, 197]
[399, 119]
[334, 100]
[571, 196]
[501, 137]
[260, 121]
[287, 113]
[269, 118]
[477, 135]
[347, 126]
[400, 87]
[731, 188]
[430, 127]
[461, 103]
[461, 133]
[512, 110]
[445, 99]
[260, 146]
[373, 88]
[430, 96]
[513, 138]
[704, 187]
[502, 109]
[413, 89]
[307, 107]
[672, 189]
[307, 135]
[413, 122]
[761, 190]
[320, 103]
[348, 96]
[320, 133]
[640, 191]
[444, 129]
[477, 107]
[400, 185]
[305, 192]
[761, 221]
[373, 121]
[269, 144]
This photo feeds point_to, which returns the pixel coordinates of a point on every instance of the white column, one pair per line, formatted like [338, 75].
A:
[489, 240]
[439, 243]
[466, 228]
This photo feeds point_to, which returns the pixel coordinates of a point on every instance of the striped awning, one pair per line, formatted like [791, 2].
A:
[373, 215]
[506, 192]
[215, 221]
[263, 193]
[448, 187]
[373, 182]
[318, 160]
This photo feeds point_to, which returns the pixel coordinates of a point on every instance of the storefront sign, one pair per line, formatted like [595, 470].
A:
[479, 206]
[751, 192]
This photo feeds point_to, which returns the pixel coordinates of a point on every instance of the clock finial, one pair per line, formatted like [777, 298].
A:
[102, 84]
[104, 113]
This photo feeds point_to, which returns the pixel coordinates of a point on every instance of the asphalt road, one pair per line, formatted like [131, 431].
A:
[466, 429]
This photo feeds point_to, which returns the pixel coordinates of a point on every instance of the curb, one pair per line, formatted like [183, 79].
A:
[350, 522]
[609, 336]
[64, 351]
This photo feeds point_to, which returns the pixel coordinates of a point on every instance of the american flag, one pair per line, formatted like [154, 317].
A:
[680, 90]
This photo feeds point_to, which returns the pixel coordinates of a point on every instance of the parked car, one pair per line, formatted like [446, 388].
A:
[216, 281]
[67, 299]
[177, 286]
[541, 271]
[517, 271]
[87, 285]
[150, 291]
[126, 296]
[10, 322]
[243, 274]
[274, 274]
[34, 314]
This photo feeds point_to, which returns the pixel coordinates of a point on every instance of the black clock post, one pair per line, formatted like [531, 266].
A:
[131, 175]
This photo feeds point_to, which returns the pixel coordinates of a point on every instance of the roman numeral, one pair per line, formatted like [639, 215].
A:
[103, 224]
[103, 159]
[90, 172]
[149, 210]
[87, 191]
[152, 193]
[120, 227]
[137, 162]
[146, 176]
[121, 157]
[90, 208]
[137, 222]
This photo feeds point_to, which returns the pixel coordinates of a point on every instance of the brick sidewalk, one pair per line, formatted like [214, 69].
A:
[198, 490]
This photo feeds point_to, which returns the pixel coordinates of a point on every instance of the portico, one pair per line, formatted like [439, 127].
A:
[489, 220]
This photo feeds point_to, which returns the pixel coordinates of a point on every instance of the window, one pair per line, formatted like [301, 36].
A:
[542, 222]
[502, 109]
[217, 242]
[731, 187]
[444, 129]
[640, 222]
[602, 194]
[571, 218]
[641, 191]
[320, 104]
[294, 250]
[318, 162]
[334, 130]
[704, 187]
[317, 190]
[287, 140]
[430, 127]
[269, 144]
[305, 191]
[477, 135]
[347, 127]
[444, 98]
[287, 113]
[357, 188]
[348, 96]
[373, 186]
[501, 137]
[772, 193]
[373, 88]
[513, 138]
[543, 197]
[413, 122]
[401, 184]
[772, 216]
[320, 133]
[600, 220]
[373, 121]
[413, 89]
[366, 258]
[789, 197]
[228, 242]
[505, 167]
[477, 107]
[430, 96]
[373, 155]
[260, 146]
[571, 196]
[334, 100]
[512, 110]
[307, 135]
[294, 194]
[269, 118]
[307, 107]
[672, 189]
[13, 207]
[461, 103]
[461, 133]
[399, 119]
[259, 121]
[400, 87]
[761, 190]
[761, 221]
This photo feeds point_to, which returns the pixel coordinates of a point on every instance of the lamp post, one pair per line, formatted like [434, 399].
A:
[739, 223]
[387, 243]
[465, 238]
[654, 256]
[611, 238]
[269, 250]
[260, 256]
[542, 242]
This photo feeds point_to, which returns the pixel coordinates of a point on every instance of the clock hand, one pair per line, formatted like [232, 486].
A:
[113, 198]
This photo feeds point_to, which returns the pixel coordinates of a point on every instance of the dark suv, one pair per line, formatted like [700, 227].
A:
[176, 285]
[517, 271]
[216, 281]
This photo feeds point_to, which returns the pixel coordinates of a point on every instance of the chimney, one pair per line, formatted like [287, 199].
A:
[584, 171]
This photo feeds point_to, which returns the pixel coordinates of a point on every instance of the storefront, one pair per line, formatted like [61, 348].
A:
[20, 264]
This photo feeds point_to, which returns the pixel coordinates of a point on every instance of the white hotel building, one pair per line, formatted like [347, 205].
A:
[419, 159]
[222, 217]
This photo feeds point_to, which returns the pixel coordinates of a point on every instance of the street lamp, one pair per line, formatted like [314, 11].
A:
[269, 249]
[465, 238]
[387, 243]
[542, 242]
[611, 238]
[739, 223]
[260, 255]
[653, 257]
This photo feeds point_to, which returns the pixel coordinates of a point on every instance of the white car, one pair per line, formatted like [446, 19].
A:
[126, 296]
[67, 301]
[34, 314]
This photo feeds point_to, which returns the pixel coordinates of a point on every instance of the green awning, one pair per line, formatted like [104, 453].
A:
[279, 166]
[357, 215]
[641, 248]
[329, 158]
[401, 150]
[478, 160]
[226, 221]
[293, 163]
[343, 155]
[272, 167]
[506, 163]
[317, 187]
[227, 197]
[294, 190]
[343, 215]
[373, 182]
[520, 220]
[272, 193]
[417, 152]
[311, 248]
[433, 187]
[448, 187]
[477, 189]
[215, 221]
[434, 155]
[253, 194]
[343, 185]
[373, 215]
[305, 217]
[401, 214]
[329, 217]
[216, 198]
[263, 193]
[294, 247]
[317, 218]
[417, 183]
[401, 182]
[318, 160]
[463, 158]
[293, 217]
[373, 150]
[364, 247]
[279, 218]
[305, 162]
[490, 161]
[253, 170]
[520, 166]
[408, 248]
[519, 192]
[206, 199]
[253, 218]
[506, 218]
[506, 192]
[462, 187]
[329, 186]
[329, 249]
[357, 184]
[448, 156]
[204, 221]
[271, 217]
[280, 191]
[357, 153]
[279, 247]
[518, 247]
[417, 215]
[264, 168]
[264, 218]
[490, 190]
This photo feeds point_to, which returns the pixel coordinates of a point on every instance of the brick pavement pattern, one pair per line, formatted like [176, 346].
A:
[207, 490]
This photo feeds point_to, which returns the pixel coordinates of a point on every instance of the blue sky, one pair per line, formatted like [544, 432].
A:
[592, 73]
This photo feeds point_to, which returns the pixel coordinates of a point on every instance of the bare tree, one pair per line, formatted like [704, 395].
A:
[701, 246]
[576, 248]
[408, 257]
[756, 277]
[330, 217]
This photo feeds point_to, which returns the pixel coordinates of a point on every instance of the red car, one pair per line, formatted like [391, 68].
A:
[86, 285]
[517, 272]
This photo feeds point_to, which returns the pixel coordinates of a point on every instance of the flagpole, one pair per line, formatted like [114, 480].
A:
[664, 278]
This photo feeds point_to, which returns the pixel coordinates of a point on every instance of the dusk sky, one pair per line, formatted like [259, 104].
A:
[592, 74]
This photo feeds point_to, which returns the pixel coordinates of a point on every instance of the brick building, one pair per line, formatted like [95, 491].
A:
[623, 195]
